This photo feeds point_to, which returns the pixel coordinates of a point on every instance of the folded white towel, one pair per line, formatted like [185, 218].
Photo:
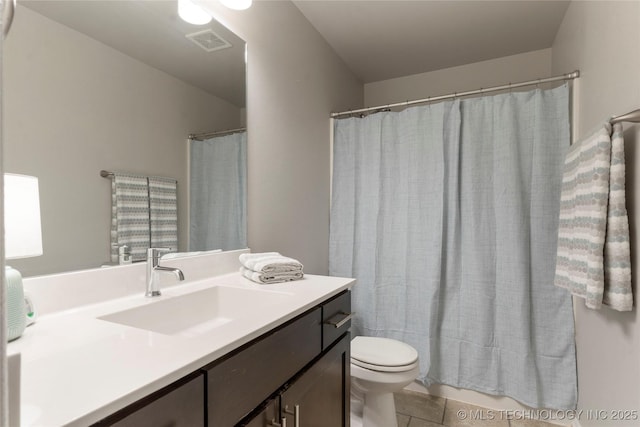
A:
[268, 278]
[270, 262]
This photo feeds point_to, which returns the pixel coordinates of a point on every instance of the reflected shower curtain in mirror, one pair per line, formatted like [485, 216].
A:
[218, 190]
[447, 216]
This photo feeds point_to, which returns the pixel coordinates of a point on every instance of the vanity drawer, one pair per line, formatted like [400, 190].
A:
[180, 404]
[239, 383]
[336, 318]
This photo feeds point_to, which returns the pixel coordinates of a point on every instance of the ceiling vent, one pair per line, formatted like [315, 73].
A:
[208, 40]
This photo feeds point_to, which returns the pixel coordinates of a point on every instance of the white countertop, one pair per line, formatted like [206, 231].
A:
[77, 369]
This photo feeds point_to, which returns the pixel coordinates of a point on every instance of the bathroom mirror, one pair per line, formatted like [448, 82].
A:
[110, 85]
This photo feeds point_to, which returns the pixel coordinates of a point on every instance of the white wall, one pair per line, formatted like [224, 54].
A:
[294, 81]
[73, 106]
[494, 72]
[602, 38]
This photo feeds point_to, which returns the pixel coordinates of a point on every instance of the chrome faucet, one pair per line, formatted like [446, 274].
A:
[153, 259]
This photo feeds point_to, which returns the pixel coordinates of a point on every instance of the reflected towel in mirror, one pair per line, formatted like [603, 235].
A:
[144, 214]
[163, 205]
[129, 215]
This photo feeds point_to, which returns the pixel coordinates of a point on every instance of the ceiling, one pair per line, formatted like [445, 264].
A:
[380, 40]
[152, 32]
[377, 39]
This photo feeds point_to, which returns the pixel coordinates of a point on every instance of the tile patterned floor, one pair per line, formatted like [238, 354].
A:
[421, 410]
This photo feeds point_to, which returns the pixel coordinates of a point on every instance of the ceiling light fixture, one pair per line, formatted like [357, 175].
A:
[192, 13]
[237, 4]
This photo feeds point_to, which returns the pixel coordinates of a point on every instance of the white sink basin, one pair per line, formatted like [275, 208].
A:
[198, 312]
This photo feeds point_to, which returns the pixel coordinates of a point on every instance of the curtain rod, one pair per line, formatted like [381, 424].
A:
[568, 76]
[200, 136]
[633, 117]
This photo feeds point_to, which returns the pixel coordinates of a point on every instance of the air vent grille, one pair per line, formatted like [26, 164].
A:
[208, 40]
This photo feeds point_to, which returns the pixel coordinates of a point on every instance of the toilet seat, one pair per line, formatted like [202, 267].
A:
[381, 368]
[383, 354]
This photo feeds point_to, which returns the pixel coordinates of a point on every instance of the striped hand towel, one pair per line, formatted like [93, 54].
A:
[163, 204]
[593, 236]
[129, 215]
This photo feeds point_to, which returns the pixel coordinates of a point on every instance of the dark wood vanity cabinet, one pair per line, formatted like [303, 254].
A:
[316, 397]
[320, 396]
[294, 375]
[180, 404]
[247, 377]
[267, 415]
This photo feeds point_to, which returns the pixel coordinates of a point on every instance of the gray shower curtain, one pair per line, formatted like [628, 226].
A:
[218, 193]
[447, 215]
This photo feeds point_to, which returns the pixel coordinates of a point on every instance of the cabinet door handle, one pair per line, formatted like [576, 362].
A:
[295, 413]
[273, 423]
[343, 318]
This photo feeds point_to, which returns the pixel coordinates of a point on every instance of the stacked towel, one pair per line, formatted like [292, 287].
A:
[593, 237]
[270, 267]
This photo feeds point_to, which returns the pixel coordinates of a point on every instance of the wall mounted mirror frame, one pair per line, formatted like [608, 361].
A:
[110, 85]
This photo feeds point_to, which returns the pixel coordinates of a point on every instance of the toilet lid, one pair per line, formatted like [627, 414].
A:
[382, 352]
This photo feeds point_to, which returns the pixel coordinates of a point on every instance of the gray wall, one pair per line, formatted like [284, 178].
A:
[73, 106]
[602, 40]
[294, 81]
[494, 72]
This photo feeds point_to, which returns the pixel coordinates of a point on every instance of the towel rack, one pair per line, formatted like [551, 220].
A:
[106, 174]
[633, 117]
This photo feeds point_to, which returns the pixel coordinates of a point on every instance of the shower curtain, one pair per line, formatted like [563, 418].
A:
[447, 216]
[218, 190]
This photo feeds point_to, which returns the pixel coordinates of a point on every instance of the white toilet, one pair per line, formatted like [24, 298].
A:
[379, 367]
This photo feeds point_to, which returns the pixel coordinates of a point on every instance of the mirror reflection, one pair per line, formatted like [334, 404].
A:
[119, 86]
[218, 190]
